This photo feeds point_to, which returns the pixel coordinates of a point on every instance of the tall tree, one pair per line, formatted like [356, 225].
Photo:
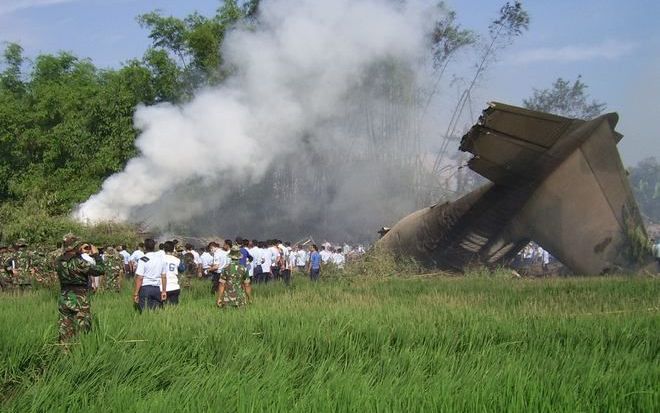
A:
[565, 99]
[645, 182]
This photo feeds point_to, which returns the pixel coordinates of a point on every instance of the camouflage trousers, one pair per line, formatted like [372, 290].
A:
[234, 293]
[74, 311]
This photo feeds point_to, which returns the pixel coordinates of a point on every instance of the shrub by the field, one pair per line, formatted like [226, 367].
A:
[37, 227]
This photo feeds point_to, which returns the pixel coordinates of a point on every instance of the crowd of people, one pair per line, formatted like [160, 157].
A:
[533, 254]
[159, 271]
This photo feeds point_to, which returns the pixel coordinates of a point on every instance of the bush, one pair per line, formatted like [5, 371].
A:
[381, 264]
[37, 227]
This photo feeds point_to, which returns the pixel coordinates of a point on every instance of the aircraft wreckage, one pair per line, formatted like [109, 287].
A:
[554, 180]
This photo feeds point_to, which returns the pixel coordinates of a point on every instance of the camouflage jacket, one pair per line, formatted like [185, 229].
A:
[73, 270]
[235, 272]
[114, 265]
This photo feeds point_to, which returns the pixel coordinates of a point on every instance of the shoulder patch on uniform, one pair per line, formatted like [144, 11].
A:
[145, 259]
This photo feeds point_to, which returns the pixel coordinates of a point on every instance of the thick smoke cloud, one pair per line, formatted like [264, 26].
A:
[301, 111]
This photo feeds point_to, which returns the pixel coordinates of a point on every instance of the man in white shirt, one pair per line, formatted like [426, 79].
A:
[135, 256]
[325, 254]
[220, 262]
[301, 259]
[125, 256]
[206, 258]
[196, 259]
[95, 281]
[266, 263]
[545, 260]
[171, 273]
[338, 259]
[254, 270]
[150, 280]
[275, 255]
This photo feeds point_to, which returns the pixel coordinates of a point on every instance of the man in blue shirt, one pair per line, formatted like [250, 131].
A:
[314, 265]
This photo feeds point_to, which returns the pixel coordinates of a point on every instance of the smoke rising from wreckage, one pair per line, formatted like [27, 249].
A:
[554, 180]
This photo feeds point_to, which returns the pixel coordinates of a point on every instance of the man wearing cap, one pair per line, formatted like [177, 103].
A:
[233, 281]
[73, 272]
[150, 278]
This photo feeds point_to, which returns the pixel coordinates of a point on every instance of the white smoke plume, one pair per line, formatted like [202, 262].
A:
[294, 75]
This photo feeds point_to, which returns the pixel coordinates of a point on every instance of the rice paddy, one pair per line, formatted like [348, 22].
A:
[347, 344]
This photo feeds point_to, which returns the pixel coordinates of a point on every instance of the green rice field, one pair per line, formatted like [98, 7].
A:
[412, 344]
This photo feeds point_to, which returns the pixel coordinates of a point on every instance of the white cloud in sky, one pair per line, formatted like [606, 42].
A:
[609, 50]
[9, 6]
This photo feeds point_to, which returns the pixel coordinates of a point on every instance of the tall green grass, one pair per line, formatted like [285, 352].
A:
[353, 344]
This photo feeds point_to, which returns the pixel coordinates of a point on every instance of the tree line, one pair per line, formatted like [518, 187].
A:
[66, 124]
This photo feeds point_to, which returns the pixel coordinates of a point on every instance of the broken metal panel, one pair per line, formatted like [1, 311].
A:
[542, 129]
[557, 181]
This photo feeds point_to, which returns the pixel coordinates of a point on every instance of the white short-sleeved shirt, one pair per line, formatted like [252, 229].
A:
[151, 267]
[301, 258]
[221, 259]
[325, 256]
[196, 256]
[266, 259]
[274, 255]
[292, 259]
[207, 259]
[125, 255]
[256, 255]
[338, 259]
[136, 255]
[172, 272]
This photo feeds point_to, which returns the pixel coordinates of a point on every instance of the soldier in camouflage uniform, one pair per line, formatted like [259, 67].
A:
[231, 289]
[6, 277]
[73, 272]
[22, 269]
[114, 270]
[51, 261]
[39, 267]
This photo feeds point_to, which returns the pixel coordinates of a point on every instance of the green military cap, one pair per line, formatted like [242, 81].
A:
[235, 253]
[70, 241]
[20, 243]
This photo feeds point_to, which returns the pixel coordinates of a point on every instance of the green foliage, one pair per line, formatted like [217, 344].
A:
[34, 225]
[188, 50]
[70, 129]
[511, 21]
[422, 344]
[565, 99]
[448, 37]
[645, 183]
[378, 263]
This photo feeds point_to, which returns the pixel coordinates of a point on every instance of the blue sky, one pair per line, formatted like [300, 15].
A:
[614, 45]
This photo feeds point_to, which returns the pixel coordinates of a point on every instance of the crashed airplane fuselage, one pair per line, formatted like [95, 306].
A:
[554, 180]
